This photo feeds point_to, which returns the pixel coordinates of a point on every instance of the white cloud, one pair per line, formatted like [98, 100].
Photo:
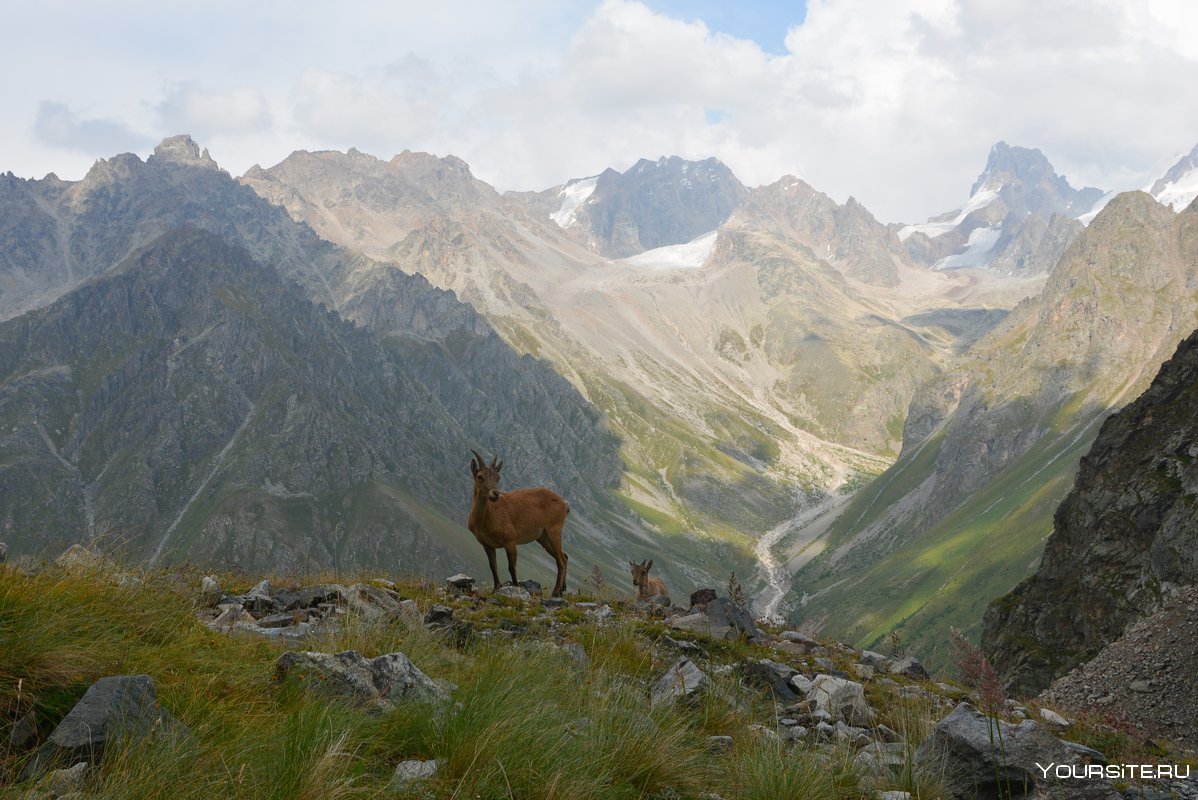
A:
[59, 126]
[206, 112]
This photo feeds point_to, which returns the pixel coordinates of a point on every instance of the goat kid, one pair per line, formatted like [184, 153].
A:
[646, 586]
[509, 519]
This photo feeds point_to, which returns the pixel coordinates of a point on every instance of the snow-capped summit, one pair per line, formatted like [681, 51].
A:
[1178, 187]
[1018, 217]
[653, 204]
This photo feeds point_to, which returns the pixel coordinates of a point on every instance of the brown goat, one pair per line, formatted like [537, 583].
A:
[514, 518]
[646, 587]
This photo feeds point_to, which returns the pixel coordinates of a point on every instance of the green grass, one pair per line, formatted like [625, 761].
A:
[525, 719]
[944, 577]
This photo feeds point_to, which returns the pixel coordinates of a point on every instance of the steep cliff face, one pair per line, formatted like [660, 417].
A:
[1123, 541]
[653, 204]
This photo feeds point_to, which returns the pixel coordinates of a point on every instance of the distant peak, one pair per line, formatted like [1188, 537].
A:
[182, 149]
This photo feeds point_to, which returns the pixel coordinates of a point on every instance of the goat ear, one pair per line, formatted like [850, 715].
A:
[499, 466]
[632, 564]
[649, 566]
[473, 467]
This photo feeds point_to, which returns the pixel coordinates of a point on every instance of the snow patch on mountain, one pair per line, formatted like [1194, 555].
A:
[1089, 216]
[979, 199]
[1179, 193]
[573, 195]
[977, 250]
[689, 255]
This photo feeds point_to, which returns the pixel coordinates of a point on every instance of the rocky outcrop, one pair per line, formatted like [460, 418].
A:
[378, 684]
[1123, 541]
[656, 203]
[981, 757]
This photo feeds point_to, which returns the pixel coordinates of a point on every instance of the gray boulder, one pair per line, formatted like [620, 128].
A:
[909, 667]
[532, 587]
[841, 699]
[408, 772]
[719, 618]
[460, 582]
[309, 597]
[882, 760]
[112, 707]
[372, 603]
[702, 597]
[982, 757]
[378, 684]
[770, 674]
[516, 593]
[682, 681]
[438, 617]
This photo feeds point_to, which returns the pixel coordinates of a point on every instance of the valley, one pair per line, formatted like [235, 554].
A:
[870, 424]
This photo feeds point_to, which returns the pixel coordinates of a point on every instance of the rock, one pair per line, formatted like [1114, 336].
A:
[210, 592]
[231, 614]
[3, 552]
[687, 647]
[517, 593]
[717, 745]
[764, 732]
[882, 760]
[801, 684]
[555, 602]
[378, 684]
[852, 734]
[799, 638]
[892, 795]
[842, 699]
[886, 734]
[532, 587]
[577, 654]
[372, 603]
[62, 781]
[909, 667]
[863, 671]
[795, 733]
[720, 619]
[600, 613]
[978, 756]
[258, 600]
[460, 582]
[825, 731]
[408, 614]
[278, 620]
[1053, 718]
[702, 597]
[438, 617]
[682, 681]
[407, 772]
[115, 706]
[309, 597]
[875, 660]
[1140, 686]
[23, 732]
[770, 674]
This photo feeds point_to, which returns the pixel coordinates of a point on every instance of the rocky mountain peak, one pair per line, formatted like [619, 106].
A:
[1028, 184]
[651, 204]
[182, 149]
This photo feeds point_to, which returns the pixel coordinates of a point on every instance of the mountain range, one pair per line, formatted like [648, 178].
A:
[871, 424]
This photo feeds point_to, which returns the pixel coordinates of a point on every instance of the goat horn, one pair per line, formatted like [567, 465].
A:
[481, 460]
[494, 461]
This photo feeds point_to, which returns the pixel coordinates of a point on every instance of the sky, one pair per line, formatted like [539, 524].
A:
[894, 102]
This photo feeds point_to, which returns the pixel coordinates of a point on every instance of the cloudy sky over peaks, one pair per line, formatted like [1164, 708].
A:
[895, 102]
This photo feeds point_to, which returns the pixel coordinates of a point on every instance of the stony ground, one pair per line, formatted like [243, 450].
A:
[1146, 678]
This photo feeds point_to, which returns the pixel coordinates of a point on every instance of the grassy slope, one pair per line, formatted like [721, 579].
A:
[508, 732]
[945, 577]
